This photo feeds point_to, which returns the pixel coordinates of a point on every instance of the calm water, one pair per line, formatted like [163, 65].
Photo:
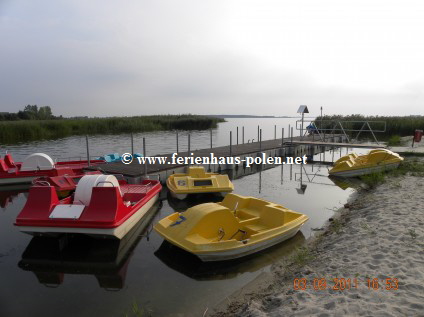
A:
[85, 278]
[156, 142]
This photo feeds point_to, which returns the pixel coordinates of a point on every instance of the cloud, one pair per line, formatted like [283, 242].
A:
[144, 57]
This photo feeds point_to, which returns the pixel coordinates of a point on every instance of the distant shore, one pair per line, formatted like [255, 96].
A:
[32, 130]
[376, 243]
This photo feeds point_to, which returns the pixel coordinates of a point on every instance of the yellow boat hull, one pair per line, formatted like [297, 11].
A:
[234, 228]
[375, 161]
[197, 181]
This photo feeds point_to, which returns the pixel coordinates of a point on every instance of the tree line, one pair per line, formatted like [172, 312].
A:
[30, 112]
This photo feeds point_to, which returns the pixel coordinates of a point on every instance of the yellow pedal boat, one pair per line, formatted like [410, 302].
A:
[236, 227]
[377, 160]
[197, 181]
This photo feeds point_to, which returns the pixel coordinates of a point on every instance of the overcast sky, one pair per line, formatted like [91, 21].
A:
[264, 57]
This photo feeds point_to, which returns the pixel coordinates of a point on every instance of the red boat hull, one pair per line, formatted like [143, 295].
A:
[10, 171]
[109, 213]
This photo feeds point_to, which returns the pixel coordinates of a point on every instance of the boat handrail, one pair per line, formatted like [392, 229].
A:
[41, 182]
[222, 232]
[105, 182]
[244, 232]
[235, 208]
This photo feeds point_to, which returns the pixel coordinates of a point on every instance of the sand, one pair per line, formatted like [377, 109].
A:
[406, 146]
[380, 235]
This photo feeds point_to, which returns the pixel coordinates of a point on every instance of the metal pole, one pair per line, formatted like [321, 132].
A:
[258, 133]
[301, 128]
[144, 154]
[132, 143]
[260, 140]
[289, 130]
[88, 150]
[282, 137]
[237, 135]
[242, 133]
[291, 135]
[231, 141]
[275, 132]
[177, 142]
[211, 138]
[188, 148]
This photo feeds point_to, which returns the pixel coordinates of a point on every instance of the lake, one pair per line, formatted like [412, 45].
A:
[82, 277]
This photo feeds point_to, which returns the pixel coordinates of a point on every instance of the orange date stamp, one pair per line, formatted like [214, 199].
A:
[342, 284]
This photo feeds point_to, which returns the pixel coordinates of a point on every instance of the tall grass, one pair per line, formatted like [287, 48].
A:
[401, 126]
[412, 167]
[30, 130]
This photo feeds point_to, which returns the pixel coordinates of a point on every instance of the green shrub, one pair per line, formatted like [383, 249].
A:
[394, 140]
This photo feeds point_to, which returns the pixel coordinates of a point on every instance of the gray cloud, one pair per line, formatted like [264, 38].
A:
[146, 57]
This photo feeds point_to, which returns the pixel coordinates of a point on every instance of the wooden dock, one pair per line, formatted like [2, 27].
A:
[322, 143]
[289, 147]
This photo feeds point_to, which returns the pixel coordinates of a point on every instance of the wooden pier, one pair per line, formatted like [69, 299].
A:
[322, 143]
[295, 146]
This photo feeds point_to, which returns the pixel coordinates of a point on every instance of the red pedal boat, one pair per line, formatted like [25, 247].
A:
[36, 165]
[101, 206]
[64, 184]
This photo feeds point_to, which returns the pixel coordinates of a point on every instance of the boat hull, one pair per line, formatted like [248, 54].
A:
[234, 228]
[16, 180]
[117, 232]
[38, 165]
[184, 196]
[248, 249]
[178, 196]
[197, 181]
[366, 170]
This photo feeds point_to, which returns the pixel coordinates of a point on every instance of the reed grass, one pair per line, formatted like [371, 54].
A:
[302, 255]
[31, 130]
[394, 140]
[400, 126]
[412, 167]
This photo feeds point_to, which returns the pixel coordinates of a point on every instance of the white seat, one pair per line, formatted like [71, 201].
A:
[85, 187]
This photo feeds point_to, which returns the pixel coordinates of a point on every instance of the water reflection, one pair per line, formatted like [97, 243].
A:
[191, 266]
[9, 193]
[345, 183]
[148, 272]
[107, 259]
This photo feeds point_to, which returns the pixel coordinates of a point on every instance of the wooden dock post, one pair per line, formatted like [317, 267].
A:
[231, 139]
[132, 143]
[211, 139]
[291, 135]
[88, 150]
[188, 150]
[275, 132]
[258, 134]
[144, 154]
[177, 142]
[260, 140]
[242, 133]
[209, 169]
[237, 135]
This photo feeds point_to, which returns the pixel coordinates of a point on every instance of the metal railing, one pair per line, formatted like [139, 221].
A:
[321, 127]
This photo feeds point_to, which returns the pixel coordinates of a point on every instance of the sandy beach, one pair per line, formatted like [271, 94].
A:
[377, 237]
